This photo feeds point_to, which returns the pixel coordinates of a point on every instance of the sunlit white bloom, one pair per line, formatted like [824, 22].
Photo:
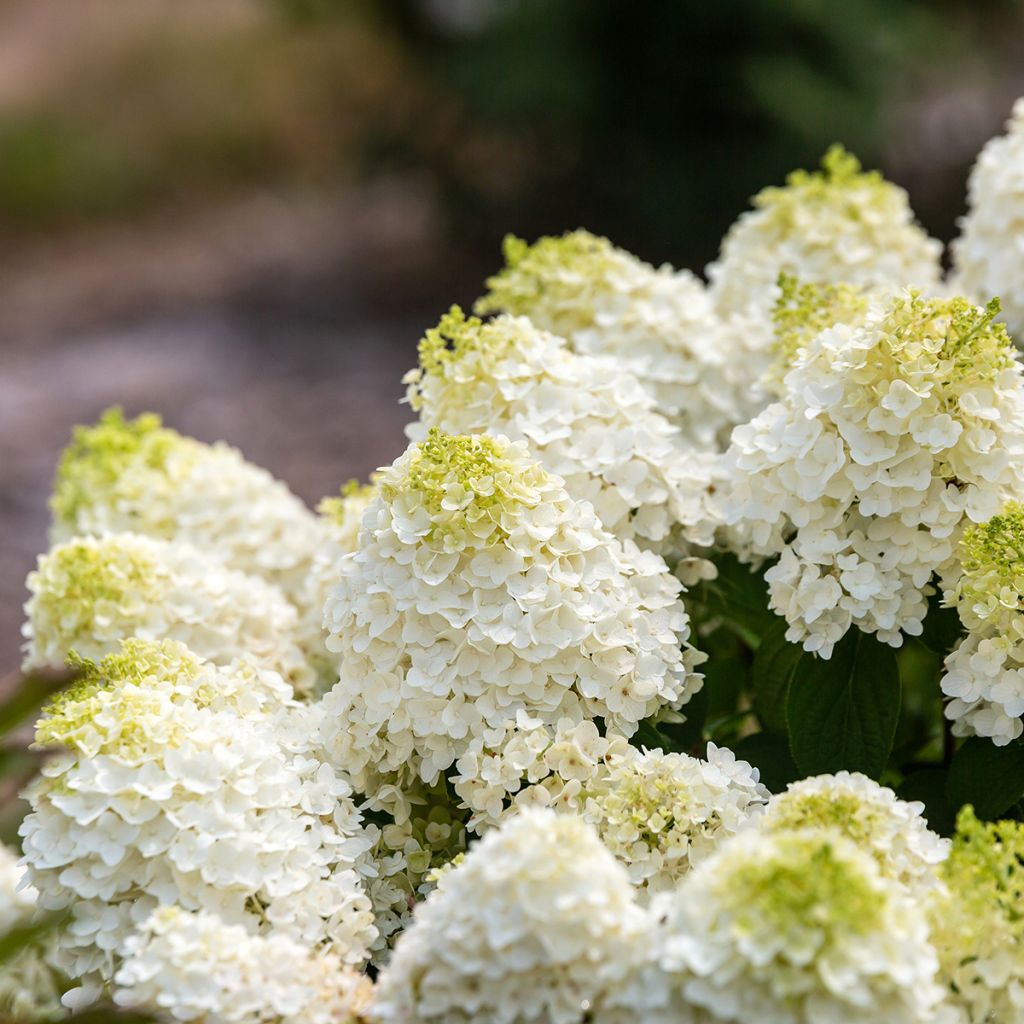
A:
[984, 676]
[836, 224]
[177, 782]
[536, 924]
[701, 370]
[141, 477]
[891, 437]
[582, 418]
[194, 967]
[891, 830]
[987, 257]
[89, 593]
[798, 928]
[481, 590]
[30, 988]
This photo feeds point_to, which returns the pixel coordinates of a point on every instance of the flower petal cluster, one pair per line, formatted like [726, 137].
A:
[987, 255]
[480, 590]
[977, 925]
[836, 224]
[177, 783]
[537, 923]
[582, 418]
[798, 927]
[662, 814]
[137, 475]
[195, 967]
[984, 674]
[893, 831]
[30, 988]
[89, 593]
[657, 323]
[891, 437]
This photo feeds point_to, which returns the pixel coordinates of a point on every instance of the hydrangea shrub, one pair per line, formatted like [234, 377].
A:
[674, 672]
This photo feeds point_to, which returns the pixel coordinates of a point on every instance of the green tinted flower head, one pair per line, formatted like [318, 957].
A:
[812, 879]
[98, 456]
[805, 309]
[847, 813]
[352, 493]
[992, 561]
[553, 271]
[467, 484]
[111, 705]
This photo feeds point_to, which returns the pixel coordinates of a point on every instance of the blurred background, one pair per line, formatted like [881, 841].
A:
[243, 213]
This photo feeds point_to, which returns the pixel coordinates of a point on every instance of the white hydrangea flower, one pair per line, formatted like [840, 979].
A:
[195, 967]
[481, 590]
[833, 225]
[662, 814]
[179, 783]
[977, 925]
[893, 831]
[582, 418]
[659, 324]
[537, 924]
[89, 593]
[30, 988]
[798, 928]
[987, 255]
[984, 674]
[892, 436]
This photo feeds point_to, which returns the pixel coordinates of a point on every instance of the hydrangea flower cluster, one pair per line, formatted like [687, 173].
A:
[985, 673]
[977, 924]
[698, 368]
[987, 255]
[891, 437]
[194, 967]
[89, 593]
[580, 416]
[444, 752]
[177, 785]
[482, 590]
[835, 225]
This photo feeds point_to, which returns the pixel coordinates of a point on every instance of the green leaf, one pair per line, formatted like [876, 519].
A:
[989, 777]
[929, 786]
[842, 713]
[682, 737]
[942, 628]
[774, 664]
[770, 755]
[739, 596]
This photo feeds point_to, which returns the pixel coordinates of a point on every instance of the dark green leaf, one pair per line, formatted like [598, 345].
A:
[770, 755]
[725, 672]
[989, 777]
[685, 736]
[942, 627]
[842, 713]
[774, 663]
[929, 786]
[739, 596]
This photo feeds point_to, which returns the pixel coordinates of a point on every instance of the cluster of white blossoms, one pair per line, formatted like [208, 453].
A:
[90, 593]
[987, 256]
[582, 418]
[176, 783]
[984, 676]
[194, 967]
[700, 369]
[835, 225]
[890, 438]
[432, 754]
[482, 590]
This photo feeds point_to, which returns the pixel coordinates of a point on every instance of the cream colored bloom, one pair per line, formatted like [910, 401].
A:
[658, 324]
[89, 593]
[195, 967]
[833, 225]
[987, 255]
[482, 590]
